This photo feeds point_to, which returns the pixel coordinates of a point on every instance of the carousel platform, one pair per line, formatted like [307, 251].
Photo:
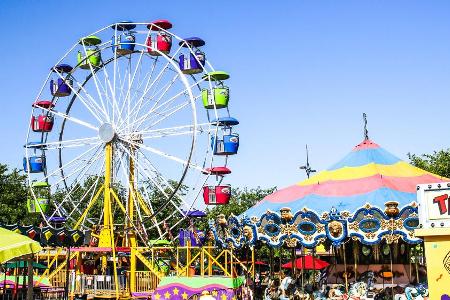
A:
[177, 287]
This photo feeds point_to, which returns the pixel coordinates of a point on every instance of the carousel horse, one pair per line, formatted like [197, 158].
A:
[418, 292]
[358, 289]
[337, 292]
[368, 277]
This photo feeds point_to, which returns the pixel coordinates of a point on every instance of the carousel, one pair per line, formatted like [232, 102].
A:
[359, 216]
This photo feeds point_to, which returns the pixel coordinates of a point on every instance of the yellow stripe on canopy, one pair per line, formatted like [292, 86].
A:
[399, 169]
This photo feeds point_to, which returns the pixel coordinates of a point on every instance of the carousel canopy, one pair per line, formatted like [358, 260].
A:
[369, 196]
[367, 175]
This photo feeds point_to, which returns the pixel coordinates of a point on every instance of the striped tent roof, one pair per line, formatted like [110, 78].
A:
[368, 174]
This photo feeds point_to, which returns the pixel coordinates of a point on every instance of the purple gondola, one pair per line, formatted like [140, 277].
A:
[61, 85]
[193, 62]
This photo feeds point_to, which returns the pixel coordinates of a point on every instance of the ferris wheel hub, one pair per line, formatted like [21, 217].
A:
[106, 132]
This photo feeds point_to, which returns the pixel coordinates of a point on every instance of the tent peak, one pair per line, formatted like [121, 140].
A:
[366, 144]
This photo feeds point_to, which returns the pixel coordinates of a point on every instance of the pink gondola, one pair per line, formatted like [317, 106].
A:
[44, 121]
[217, 195]
[161, 42]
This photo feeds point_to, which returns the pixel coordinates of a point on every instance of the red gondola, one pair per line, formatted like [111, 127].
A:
[43, 122]
[161, 42]
[217, 195]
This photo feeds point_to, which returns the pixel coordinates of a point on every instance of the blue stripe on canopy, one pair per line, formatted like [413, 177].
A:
[366, 156]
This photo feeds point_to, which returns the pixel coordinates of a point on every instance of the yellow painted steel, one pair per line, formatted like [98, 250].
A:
[88, 208]
[131, 236]
[437, 253]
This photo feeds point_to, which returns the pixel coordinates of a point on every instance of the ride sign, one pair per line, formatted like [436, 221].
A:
[434, 205]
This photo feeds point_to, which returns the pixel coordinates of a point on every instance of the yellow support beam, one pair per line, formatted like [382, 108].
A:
[49, 265]
[88, 208]
[148, 265]
[61, 266]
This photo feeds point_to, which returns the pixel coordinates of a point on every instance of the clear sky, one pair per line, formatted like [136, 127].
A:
[302, 72]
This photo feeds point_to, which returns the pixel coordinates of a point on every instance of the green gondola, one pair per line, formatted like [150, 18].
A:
[219, 95]
[90, 55]
[41, 200]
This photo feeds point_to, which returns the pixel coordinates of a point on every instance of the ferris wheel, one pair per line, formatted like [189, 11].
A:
[134, 121]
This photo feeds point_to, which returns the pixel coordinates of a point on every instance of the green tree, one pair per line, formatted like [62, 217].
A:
[241, 200]
[438, 162]
[13, 197]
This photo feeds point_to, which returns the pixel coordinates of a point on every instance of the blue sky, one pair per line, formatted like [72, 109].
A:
[302, 72]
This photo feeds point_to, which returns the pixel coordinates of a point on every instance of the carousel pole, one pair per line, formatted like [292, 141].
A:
[271, 261]
[314, 265]
[293, 266]
[335, 253]
[355, 257]
[253, 271]
[303, 266]
[392, 269]
[345, 269]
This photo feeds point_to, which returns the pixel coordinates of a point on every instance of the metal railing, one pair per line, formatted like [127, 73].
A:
[146, 281]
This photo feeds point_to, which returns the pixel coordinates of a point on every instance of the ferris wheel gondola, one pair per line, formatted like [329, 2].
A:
[130, 128]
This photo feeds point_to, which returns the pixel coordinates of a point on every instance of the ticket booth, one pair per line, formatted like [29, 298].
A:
[434, 228]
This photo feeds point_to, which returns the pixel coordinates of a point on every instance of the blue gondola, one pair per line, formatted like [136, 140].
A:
[36, 162]
[226, 142]
[194, 60]
[124, 42]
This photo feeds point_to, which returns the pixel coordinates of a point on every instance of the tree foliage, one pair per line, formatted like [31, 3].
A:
[241, 200]
[13, 197]
[438, 162]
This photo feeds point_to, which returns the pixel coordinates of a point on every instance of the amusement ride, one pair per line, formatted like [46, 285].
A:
[130, 129]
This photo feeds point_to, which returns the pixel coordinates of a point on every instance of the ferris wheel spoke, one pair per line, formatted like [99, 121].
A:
[165, 155]
[163, 91]
[99, 113]
[115, 106]
[138, 105]
[76, 184]
[153, 180]
[142, 119]
[69, 118]
[166, 114]
[71, 200]
[137, 124]
[80, 169]
[152, 168]
[68, 143]
[130, 84]
[91, 191]
[76, 159]
[176, 131]
[112, 99]
[96, 83]
[68, 199]
[157, 79]
[152, 211]
[124, 114]
[83, 100]
[162, 191]
[121, 83]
